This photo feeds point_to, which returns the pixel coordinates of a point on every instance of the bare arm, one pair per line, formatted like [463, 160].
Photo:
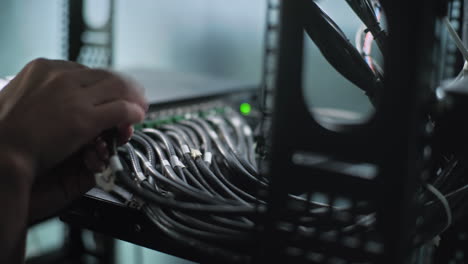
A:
[14, 194]
[49, 114]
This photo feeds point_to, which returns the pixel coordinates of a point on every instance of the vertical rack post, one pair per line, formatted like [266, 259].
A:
[89, 44]
[389, 149]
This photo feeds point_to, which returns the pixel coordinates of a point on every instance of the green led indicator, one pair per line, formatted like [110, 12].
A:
[245, 108]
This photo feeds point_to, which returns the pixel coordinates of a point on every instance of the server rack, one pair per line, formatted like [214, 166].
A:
[389, 153]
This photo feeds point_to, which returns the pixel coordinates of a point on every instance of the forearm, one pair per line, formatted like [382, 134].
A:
[14, 194]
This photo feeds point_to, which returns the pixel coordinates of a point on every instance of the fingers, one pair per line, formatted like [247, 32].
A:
[101, 150]
[40, 66]
[118, 113]
[92, 162]
[115, 88]
[96, 156]
[113, 97]
[87, 77]
[125, 133]
[79, 103]
[102, 86]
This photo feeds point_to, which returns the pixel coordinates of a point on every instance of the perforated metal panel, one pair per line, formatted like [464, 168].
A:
[452, 61]
[270, 60]
[86, 43]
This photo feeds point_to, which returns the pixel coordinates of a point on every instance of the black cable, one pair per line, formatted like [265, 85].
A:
[337, 49]
[190, 178]
[242, 145]
[197, 184]
[213, 251]
[247, 133]
[231, 148]
[192, 172]
[178, 168]
[365, 11]
[135, 164]
[206, 144]
[458, 172]
[192, 166]
[232, 223]
[191, 188]
[165, 165]
[182, 188]
[207, 172]
[181, 133]
[184, 206]
[174, 137]
[201, 131]
[241, 193]
[197, 174]
[218, 238]
[445, 173]
[150, 154]
[169, 148]
[202, 224]
[233, 162]
[221, 126]
[193, 137]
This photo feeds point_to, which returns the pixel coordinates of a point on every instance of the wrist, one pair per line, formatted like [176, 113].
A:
[15, 173]
[16, 168]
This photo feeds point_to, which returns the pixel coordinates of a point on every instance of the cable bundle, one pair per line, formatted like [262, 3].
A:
[369, 11]
[198, 182]
[372, 13]
[443, 198]
[338, 50]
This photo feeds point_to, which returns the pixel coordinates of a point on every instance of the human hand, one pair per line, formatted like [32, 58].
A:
[67, 181]
[49, 111]
[53, 108]
[71, 179]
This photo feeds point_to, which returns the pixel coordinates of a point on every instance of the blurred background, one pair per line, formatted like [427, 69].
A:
[211, 37]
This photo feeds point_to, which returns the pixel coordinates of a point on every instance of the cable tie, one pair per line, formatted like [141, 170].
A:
[105, 180]
[208, 157]
[465, 69]
[115, 164]
[185, 149]
[196, 153]
[175, 161]
[213, 134]
[166, 163]
[236, 121]
[148, 164]
[140, 176]
[215, 119]
[247, 131]
[180, 164]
